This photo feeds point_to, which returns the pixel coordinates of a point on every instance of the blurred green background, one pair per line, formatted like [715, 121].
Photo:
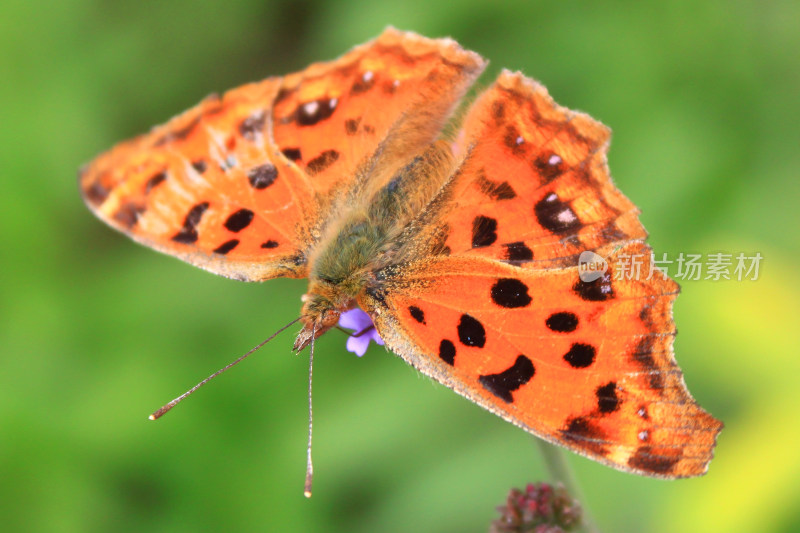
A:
[96, 332]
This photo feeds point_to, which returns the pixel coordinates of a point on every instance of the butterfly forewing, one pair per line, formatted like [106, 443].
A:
[209, 188]
[534, 189]
[244, 185]
[331, 117]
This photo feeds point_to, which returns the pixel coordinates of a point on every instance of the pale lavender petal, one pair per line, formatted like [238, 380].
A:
[358, 321]
[355, 319]
[358, 345]
[376, 337]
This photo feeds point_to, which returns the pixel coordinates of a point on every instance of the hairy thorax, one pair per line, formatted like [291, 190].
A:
[372, 238]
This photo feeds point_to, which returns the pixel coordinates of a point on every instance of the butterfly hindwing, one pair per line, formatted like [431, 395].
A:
[586, 365]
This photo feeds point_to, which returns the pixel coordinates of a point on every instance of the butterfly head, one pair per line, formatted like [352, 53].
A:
[322, 306]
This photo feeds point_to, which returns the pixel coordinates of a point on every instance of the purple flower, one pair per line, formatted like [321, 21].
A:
[540, 508]
[359, 322]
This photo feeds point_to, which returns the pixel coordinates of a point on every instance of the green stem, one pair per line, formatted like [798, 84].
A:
[560, 471]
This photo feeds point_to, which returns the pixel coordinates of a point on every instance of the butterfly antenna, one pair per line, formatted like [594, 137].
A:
[309, 465]
[164, 410]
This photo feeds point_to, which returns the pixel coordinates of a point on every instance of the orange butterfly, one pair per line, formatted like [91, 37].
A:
[464, 252]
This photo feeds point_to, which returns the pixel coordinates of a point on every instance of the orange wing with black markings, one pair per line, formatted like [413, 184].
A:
[209, 188]
[491, 304]
[463, 251]
[534, 188]
[585, 365]
[394, 93]
[243, 185]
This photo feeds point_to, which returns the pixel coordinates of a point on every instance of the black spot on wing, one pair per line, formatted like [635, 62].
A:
[586, 434]
[510, 293]
[292, 154]
[227, 246]
[128, 214]
[351, 125]
[96, 193]
[484, 231]
[580, 355]
[154, 181]
[607, 399]
[322, 161]
[648, 460]
[315, 111]
[556, 216]
[239, 220]
[269, 244]
[447, 352]
[471, 332]
[563, 322]
[200, 166]
[188, 233]
[502, 191]
[364, 83]
[417, 314]
[518, 252]
[262, 176]
[514, 141]
[598, 290]
[549, 165]
[509, 380]
[253, 125]
[495, 190]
